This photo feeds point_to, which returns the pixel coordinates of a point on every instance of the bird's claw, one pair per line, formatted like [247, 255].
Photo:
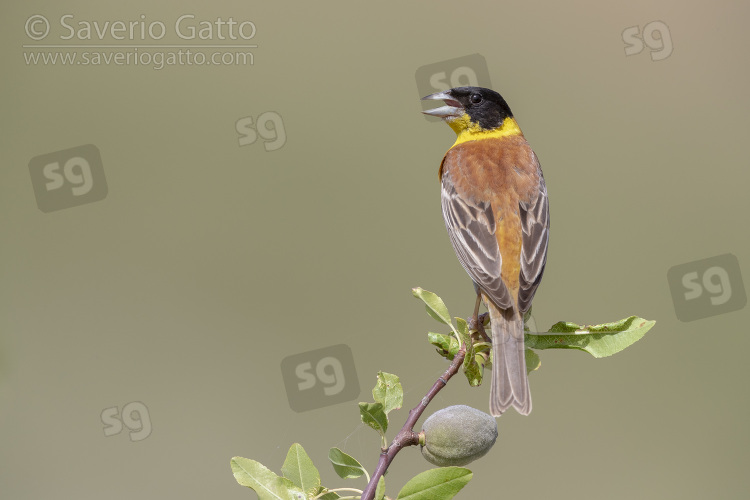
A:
[477, 323]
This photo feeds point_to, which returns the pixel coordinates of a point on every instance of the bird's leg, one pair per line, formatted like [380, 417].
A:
[475, 317]
[477, 320]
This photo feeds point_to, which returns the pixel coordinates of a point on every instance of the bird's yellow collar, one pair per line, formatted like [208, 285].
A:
[467, 131]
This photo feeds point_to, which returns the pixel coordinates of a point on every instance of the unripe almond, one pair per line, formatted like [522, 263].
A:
[457, 435]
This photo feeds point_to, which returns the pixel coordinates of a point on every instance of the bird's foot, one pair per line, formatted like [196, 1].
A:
[477, 323]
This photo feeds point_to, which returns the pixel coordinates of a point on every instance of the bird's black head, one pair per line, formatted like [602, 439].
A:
[484, 107]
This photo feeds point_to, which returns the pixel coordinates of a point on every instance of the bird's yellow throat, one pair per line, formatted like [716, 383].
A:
[466, 130]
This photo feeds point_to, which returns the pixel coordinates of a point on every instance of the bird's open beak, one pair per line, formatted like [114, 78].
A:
[454, 109]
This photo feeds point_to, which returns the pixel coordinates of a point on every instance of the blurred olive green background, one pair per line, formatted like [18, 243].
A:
[209, 262]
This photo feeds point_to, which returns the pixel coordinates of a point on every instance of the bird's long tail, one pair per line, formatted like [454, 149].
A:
[510, 383]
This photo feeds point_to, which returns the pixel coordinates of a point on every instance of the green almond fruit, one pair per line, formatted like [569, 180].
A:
[457, 435]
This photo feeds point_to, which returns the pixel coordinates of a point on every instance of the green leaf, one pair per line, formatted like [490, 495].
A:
[482, 361]
[447, 344]
[599, 340]
[532, 361]
[388, 392]
[380, 490]
[472, 370]
[265, 483]
[564, 327]
[373, 415]
[300, 470]
[345, 465]
[434, 305]
[436, 484]
[463, 331]
[482, 347]
[331, 495]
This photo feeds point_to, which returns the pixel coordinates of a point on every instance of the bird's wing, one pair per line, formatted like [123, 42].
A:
[471, 227]
[535, 226]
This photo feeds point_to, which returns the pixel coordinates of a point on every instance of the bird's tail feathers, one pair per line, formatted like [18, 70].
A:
[510, 383]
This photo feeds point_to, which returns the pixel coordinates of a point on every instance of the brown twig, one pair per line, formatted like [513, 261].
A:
[406, 436]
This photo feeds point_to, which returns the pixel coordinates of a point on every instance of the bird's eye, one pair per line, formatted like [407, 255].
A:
[475, 98]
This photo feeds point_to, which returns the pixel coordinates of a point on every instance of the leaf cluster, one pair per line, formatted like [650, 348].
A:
[598, 340]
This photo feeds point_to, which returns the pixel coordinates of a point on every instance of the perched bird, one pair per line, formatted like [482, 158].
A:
[495, 208]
